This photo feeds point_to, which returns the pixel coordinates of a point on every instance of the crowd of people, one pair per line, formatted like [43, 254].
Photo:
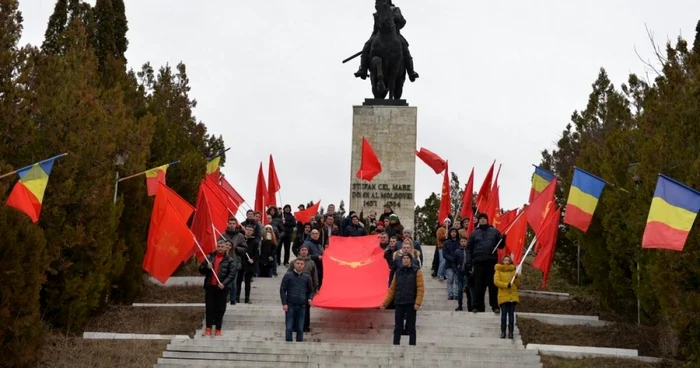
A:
[467, 263]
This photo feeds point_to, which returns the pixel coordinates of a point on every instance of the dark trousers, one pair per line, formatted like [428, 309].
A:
[462, 285]
[319, 271]
[215, 303]
[287, 244]
[408, 312]
[436, 261]
[307, 318]
[243, 276]
[483, 278]
[508, 314]
[294, 321]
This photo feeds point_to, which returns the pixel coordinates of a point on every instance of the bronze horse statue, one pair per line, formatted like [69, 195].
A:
[387, 69]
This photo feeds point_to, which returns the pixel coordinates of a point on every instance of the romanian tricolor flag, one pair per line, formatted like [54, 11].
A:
[28, 193]
[213, 165]
[673, 211]
[540, 179]
[155, 176]
[585, 191]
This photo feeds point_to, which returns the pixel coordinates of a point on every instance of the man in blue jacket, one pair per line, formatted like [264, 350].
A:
[296, 292]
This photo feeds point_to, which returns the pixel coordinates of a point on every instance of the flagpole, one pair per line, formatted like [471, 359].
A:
[218, 154]
[362, 200]
[116, 186]
[144, 172]
[205, 256]
[507, 230]
[578, 263]
[520, 266]
[639, 304]
[29, 166]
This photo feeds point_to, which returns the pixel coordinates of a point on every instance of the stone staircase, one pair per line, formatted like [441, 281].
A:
[253, 336]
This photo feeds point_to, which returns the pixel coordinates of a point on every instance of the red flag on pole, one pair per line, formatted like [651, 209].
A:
[482, 198]
[305, 216]
[547, 240]
[261, 195]
[354, 274]
[431, 159]
[541, 206]
[231, 191]
[467, 198]
[169, 239]
[273, 185]
[370, 165]
[203, 225]
[515, 241]
[445, 202]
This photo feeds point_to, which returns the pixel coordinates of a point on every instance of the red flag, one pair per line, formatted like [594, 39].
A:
[228, 188]
[431, 159]
[541, 206]
[305, 216]
[482, 198]
[169, 239]
[445, 203]
[261, 194]
[467, 199]
[221, 195]
[354, 274]
[505, 219]
[493, 209]
[203, 225]
[547, 240]
[219, 211]
[516, 236]
[273, 185]
[370, 165]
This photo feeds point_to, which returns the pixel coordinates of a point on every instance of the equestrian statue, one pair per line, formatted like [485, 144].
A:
[385, 55]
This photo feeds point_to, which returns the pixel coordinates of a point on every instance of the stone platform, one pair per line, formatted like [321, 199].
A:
[253, 336]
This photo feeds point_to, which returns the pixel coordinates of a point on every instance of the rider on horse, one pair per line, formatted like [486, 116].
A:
[400, 22]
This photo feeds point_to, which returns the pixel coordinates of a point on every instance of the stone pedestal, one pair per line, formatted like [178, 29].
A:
[391, 130]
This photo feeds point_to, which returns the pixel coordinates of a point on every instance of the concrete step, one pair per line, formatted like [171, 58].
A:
[202, 363]
[215, 345]
[369, 337]
[254, 334]
[411, 359]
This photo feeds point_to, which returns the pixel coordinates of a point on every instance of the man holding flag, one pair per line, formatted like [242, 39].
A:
[481, 260]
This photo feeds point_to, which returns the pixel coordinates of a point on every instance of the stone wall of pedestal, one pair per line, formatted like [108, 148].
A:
[391, 130]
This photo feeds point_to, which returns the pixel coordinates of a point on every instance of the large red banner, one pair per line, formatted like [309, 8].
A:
[355, 274]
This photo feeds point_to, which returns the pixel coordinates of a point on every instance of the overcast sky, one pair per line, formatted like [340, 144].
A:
[498, 79]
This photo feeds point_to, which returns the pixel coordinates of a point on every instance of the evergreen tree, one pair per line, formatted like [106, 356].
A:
[456, 192]
[22, 248]
[627, 137]
[426, 220]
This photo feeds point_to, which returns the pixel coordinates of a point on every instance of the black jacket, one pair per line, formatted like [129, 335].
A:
[482, 242]
[290, 222]
[228, 269]
[354, 230]
[296, 288]
[248, 250]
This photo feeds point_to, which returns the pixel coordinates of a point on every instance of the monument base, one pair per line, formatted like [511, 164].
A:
[383, 102]
[391, 130]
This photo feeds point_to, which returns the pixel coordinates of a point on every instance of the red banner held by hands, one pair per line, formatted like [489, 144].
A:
[355, 274]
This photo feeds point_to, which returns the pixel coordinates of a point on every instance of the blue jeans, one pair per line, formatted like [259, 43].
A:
[508, 312]
[451, 282]
[294, 320]
[441, 268]
[233, 292]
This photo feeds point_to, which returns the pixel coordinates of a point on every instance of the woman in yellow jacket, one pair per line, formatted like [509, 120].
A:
[507, 293]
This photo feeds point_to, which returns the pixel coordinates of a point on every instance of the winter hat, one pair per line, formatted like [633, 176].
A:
[393, 217]
[482, 215]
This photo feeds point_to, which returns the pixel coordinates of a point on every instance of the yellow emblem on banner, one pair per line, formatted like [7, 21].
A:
[362, 263]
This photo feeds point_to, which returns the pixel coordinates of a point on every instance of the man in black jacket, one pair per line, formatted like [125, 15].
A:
[296, 291]
[481, 259]
[216, 287]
